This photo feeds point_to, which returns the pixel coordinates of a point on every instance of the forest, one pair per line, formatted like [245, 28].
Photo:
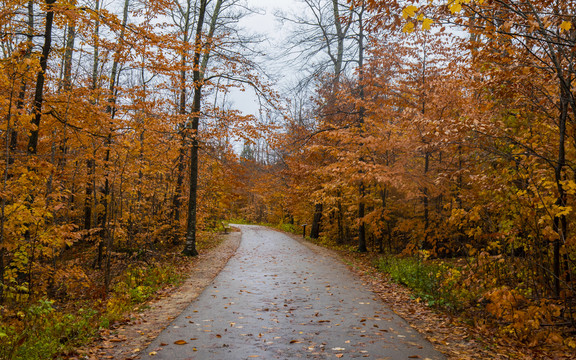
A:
[439, 137]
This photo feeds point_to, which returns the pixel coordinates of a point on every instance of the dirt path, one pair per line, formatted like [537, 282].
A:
[277, 299]
[128, 340]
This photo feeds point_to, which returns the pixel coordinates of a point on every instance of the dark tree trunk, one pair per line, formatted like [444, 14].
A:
[89, 194]
[67, 86]
[383, 196]
[361, 115]
[190, 247]
[426, 201]
[340, 220]
[177, 198]
[560, 222]
[316, 222]
[41, 78]
[91, 163]
[106, 234]
[24, 85]
[362, 227]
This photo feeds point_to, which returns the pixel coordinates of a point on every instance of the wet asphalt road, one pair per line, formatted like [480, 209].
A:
[277, 299]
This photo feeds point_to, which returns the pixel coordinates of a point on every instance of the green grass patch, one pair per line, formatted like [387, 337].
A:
[291, 228]
[136, 286]
[42, 332]
[240, 221]
[439, 284]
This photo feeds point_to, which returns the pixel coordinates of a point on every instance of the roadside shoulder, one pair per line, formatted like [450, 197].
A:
[129, 339]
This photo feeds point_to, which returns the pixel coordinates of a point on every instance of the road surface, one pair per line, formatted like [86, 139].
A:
[278, 299]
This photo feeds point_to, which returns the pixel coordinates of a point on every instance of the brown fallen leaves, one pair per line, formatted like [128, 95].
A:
[142, 327]
[450, 335]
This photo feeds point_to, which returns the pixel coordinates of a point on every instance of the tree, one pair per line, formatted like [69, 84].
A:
[323, 31]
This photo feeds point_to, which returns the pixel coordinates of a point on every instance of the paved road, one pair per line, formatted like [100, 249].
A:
[277, 299]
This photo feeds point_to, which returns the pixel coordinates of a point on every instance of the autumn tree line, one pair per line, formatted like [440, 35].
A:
[441, 131]
[110, 110]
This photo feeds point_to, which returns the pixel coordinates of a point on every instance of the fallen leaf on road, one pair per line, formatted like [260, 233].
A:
[180, 342]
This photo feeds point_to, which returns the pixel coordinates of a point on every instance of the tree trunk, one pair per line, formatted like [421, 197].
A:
[67, 86]
[90, 167]
[190, 247]
[341, 37]
[340, 219]
[40, 79]
[560, 222]
[177, 198]
[316, 221]
[105, 232]
[425, 200]
[111, 110]
[24, 85]
[8, 150]
[383, 196]
[361, 115]
[362, 226]
[91, 163]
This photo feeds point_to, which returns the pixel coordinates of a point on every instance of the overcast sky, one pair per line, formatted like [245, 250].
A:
[265, 23]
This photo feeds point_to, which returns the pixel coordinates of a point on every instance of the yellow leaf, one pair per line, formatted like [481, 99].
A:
[455, 8]
[409, 27]
[420, 17]
[180, 342]
[409, 11]
[426, 24]
[566, 26]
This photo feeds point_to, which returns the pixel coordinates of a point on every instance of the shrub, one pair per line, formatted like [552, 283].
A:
[291, 228]
[43, 332]
[136, 286]
[436, 283]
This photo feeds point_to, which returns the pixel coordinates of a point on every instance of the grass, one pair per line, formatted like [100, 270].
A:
[436, 283]
[136, 286]
[42, 332]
